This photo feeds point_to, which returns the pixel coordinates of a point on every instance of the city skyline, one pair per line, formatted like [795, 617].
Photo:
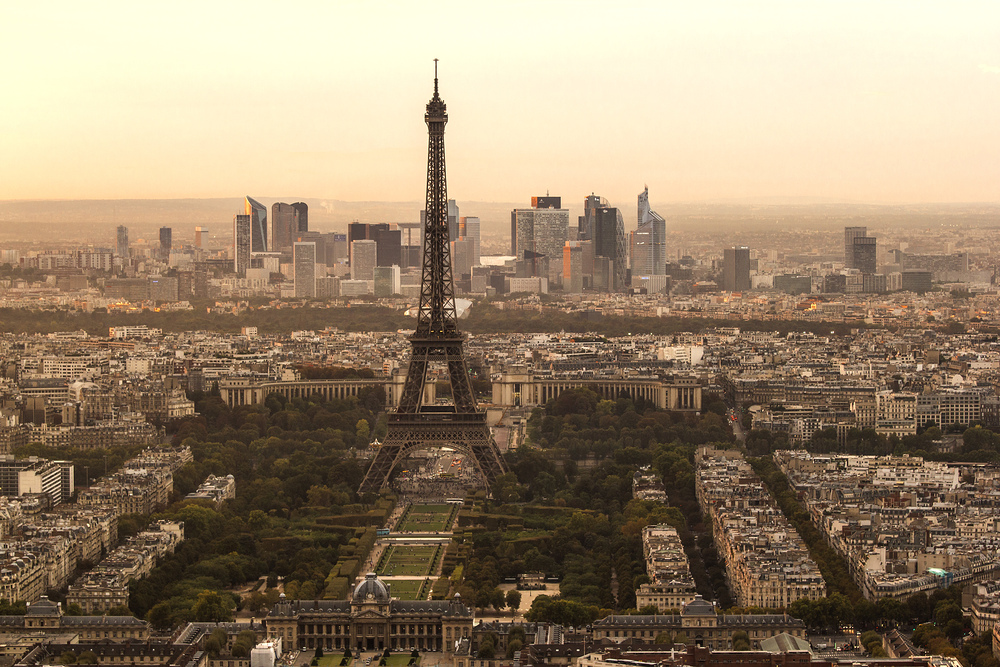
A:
[883, 103]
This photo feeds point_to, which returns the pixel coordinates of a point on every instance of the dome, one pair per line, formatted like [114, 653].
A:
[371, 589]
[699, 606]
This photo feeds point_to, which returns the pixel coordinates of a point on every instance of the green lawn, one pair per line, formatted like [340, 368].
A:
[333, 660]
[428, 518]
[408, 560]
[410, 589]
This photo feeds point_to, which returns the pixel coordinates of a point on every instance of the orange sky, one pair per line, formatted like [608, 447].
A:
[852, 101]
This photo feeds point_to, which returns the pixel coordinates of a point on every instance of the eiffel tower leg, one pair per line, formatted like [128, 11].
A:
[389, 454]
[487, 455]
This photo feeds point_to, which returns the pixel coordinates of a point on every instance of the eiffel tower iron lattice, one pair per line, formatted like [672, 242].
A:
[436, 339]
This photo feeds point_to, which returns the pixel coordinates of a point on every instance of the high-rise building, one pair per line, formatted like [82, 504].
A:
[166, 242]
[341, 251]
[736, 269]
[573, 267]
[357, 231]
[389, 245]
[304, 260]
[462, 251]
[258, 224]
[851, 233]
[542, 230]
[609, 243]
[122, 248]
[199, 237]
[585, 222]
[241, 244]
[364, 259]
[864, 254]
[649, 242]
[387, 281]
[303, 210]
[468, 228]
[288, 221]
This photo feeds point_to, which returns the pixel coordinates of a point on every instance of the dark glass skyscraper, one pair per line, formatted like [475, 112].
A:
[288, 221]
[609, 243]
[166, 242]
[851, 233]
[736, 269]
[258, 225]
[864, 252]
[122, 245]
[585, 223]
[241, 244]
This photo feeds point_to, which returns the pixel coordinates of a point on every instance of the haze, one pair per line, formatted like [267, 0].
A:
[866, 102]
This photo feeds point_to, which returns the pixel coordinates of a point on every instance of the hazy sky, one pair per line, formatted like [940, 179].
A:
[854, 101]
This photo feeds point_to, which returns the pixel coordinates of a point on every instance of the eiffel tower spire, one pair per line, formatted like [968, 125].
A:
[436, 339]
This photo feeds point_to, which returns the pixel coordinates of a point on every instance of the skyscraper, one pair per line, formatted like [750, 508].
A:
[122, 248]
[241, 244]
[288, 221]
[258, 225]
[573, 267]
[388, 246]
[649, 242]
[468, 228]
[364, 259]
[543, 230]
[166, 242]
[864, 254]
[736, 269]
[303, 210]
[199, 237]
[387, 281]
[461, 258]
[304, 259]
[609, 243]
[585, 222]
[850, 233]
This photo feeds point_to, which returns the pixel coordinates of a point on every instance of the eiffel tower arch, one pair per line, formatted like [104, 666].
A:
[436, 340]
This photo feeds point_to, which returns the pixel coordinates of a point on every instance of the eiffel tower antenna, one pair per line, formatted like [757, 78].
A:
[436, 339]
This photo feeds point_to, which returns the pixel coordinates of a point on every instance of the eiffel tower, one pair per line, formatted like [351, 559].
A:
[414, 425]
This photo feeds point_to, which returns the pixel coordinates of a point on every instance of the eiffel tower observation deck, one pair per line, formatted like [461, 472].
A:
[436, 340]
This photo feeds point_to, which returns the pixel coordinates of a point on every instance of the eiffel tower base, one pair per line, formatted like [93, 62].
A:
[467, 433]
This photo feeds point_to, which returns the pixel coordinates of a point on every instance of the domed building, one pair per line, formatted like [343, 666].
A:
[371, 620]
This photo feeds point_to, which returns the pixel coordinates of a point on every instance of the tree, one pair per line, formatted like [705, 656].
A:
[486, 649]
[741, 641]
[363, 431]
[513, 599]
[161, 616]
[212, 608]
[319, 651]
